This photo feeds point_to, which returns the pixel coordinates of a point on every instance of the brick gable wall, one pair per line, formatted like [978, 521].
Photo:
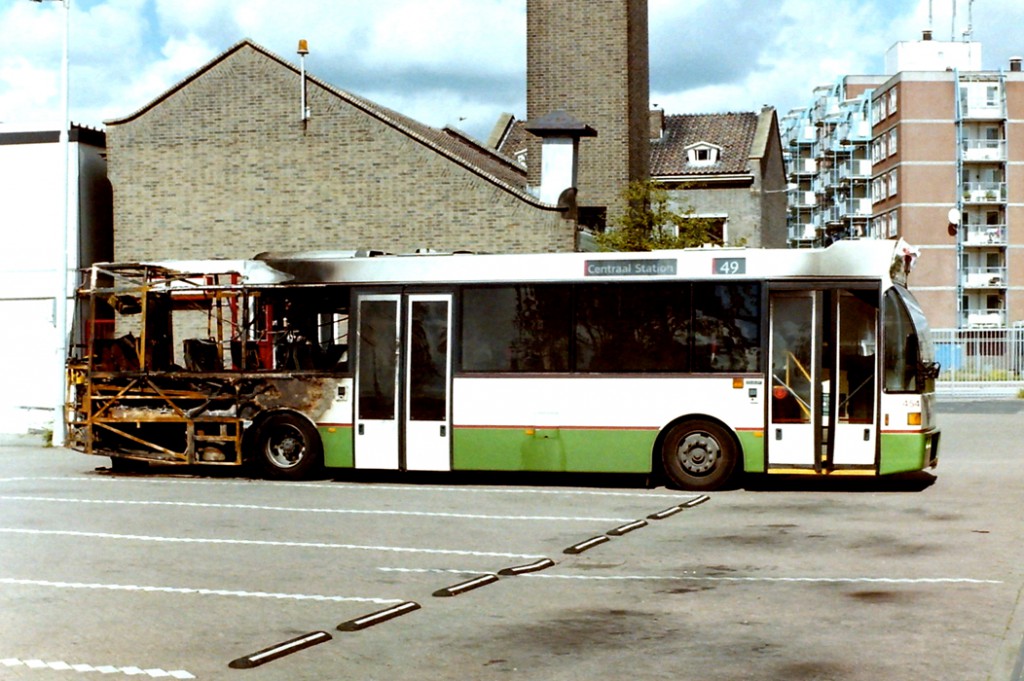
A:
[223, 167]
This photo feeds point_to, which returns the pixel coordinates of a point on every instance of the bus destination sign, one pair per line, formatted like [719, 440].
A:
[629, 268]
[729, 266]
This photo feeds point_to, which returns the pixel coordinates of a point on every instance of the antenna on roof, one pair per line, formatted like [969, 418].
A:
[303, 51]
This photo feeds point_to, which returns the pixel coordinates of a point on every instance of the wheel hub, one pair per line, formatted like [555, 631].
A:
[698, 453]
[285, 449]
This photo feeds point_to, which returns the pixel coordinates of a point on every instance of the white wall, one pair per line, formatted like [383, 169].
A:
[31, 217]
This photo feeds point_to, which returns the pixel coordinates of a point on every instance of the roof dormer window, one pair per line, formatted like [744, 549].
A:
[703, 154]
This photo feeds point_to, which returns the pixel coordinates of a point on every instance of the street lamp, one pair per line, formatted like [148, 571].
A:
[60, 315]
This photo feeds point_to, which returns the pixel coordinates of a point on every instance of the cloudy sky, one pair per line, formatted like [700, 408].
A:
[463, 62]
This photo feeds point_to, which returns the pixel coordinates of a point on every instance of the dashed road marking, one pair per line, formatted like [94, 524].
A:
[11, 581]
[280, 650]
[588, 544]
[296, 509]
[713, 578]
[354, 487]
[260, 542]
[468, 585]
[104, 669]
[378, 617]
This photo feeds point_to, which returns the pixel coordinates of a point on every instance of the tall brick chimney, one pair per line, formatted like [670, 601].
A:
[589, 58]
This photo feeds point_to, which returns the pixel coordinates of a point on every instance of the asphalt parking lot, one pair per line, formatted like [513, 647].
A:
[172, 575]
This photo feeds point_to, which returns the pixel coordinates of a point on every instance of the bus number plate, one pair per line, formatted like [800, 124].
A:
[729, 266]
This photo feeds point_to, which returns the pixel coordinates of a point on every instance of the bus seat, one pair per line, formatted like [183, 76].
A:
[202, 354]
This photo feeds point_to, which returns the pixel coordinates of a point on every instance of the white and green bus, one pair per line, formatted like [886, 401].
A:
[696, 364]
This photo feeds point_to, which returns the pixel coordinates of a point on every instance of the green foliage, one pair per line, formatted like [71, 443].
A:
[648, 223]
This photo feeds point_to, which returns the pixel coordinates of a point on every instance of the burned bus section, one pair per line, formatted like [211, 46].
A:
[171, 363]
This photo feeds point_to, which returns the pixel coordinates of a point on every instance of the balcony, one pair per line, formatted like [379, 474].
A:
[855, 169]
[804, 134]
[981, 109]
[985, 235]
[985, 277]
[983, 150]
[984, 192]
[856, 208]
[803, 166]
[985, 317]
[803, 232]
[802, 199]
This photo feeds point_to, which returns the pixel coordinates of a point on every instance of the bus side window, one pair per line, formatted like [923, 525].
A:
[901, 346]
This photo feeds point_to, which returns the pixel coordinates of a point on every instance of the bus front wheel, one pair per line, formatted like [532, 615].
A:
[287, 447]
[698, 455]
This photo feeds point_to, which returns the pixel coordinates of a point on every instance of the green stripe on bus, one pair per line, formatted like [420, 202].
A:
[752, 444]
[337, 446]
[553, 449]
[903, 452]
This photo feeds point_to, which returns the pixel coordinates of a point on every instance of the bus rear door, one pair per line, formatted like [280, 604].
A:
[403, 379]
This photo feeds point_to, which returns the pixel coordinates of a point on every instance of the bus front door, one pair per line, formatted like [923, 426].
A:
[823, 411]
[403, 379]
[794, 422]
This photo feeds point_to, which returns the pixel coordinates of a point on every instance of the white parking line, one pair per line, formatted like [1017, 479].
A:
[295, 509]
[60, 665]
[358, 487]
[706, 578]
[11, 581]
[260, 542]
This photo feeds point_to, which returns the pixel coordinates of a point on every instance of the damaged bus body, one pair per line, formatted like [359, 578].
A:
[697, 364]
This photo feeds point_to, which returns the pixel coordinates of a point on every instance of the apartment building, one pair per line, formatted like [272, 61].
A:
[931, 151]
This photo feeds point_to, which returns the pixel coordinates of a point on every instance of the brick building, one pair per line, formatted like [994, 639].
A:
[728, 167]
[902, 153]
[224, 165]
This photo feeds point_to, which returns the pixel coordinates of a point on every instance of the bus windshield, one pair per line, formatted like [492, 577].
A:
[909, 354]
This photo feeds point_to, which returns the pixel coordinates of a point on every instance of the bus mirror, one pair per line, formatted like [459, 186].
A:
[929, 369]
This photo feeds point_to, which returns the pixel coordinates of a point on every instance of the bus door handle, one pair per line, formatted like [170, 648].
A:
[867, 434]
[360, 429]
[444, 429]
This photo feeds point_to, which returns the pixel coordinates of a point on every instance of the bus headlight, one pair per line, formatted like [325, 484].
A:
[914, 418]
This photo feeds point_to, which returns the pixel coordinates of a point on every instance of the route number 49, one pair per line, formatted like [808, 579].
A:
[729, 265]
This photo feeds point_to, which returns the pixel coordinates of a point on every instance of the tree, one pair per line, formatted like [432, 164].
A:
[649, 223]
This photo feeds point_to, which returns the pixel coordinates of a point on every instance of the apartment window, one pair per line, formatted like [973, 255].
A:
[876, 190]
[892, 142]
[991, 95]
[893, 224]
[892, 183]
[892, 101]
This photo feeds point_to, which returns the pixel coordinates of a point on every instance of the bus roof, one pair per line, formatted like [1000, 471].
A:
[885, 260]
[873, 259]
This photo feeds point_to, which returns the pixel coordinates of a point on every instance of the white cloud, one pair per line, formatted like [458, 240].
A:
[443, 60]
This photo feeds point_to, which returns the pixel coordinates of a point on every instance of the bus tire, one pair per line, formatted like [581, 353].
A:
[287, 447]
[699, 455]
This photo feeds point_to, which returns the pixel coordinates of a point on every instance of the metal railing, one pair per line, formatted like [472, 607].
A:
[980, 361]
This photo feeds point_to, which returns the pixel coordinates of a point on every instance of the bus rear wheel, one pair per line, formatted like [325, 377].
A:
[287, 447]
[699, 455]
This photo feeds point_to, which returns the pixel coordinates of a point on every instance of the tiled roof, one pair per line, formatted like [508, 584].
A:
[733, 133]
[449, 142]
